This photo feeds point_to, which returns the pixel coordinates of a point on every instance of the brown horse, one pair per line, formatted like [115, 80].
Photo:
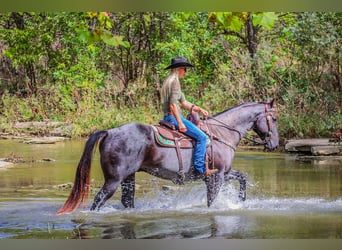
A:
[132, 147]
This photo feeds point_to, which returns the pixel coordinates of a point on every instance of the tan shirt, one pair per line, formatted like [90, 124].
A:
[172, 94]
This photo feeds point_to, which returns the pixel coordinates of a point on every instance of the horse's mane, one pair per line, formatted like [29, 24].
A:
[246, 104]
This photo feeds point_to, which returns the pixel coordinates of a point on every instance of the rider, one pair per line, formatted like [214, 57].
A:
[171, 95]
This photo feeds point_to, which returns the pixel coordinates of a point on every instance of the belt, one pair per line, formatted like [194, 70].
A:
[167, 114]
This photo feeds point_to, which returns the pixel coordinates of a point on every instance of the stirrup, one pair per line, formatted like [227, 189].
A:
[209, 171]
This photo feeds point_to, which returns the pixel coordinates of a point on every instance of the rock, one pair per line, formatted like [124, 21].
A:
[46, 127]
[64, 186]
[62, 131]
[44, 140]
[325, 150]
[13, 158]
[313, 146]
[5, 164]
[48, 159]
[7, 136]
[30, 125]
[304, 145]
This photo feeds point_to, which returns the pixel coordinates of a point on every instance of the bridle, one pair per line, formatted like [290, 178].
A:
[270, 114]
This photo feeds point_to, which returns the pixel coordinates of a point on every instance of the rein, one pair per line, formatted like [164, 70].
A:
[269, 114]
[224, 125]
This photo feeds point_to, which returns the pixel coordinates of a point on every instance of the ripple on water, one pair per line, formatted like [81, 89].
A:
[160, 210]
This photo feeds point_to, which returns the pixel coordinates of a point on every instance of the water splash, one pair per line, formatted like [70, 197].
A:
[163, 212]
[194, 199]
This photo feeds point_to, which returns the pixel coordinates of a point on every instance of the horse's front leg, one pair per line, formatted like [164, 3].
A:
[128, 191]
[214, 183]
[236, 175]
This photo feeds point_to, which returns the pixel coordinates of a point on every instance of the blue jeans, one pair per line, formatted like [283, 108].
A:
[201, 140]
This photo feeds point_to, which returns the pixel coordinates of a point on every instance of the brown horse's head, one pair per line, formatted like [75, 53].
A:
[266, 126]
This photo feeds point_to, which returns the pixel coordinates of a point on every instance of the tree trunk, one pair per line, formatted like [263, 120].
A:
[18, 20]
[251, 35]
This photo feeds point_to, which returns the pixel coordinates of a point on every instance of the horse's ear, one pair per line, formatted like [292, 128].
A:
[273, 103]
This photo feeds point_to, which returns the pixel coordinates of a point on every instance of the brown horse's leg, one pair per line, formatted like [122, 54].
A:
[128, 191]
[105, 193]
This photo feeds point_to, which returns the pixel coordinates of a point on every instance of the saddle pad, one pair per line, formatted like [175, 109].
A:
[168, 138]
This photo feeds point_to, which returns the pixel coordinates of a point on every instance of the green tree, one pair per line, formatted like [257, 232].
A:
[98, 65]
[135, 63]
[190, 35]
[312, 80]
[248, 28]
[244, 25]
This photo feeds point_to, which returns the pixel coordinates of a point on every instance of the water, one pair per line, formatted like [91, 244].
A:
[286, 199]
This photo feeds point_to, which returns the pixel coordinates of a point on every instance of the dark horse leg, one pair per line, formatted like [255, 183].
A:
[107, 191]
[109, 188]
[113, 178]
[214, 183]
[128, 191]
[236, 175]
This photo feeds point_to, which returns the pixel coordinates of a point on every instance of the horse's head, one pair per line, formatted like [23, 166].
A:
[266, 126]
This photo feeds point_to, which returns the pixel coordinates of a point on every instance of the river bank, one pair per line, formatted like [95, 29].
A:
[47, 132]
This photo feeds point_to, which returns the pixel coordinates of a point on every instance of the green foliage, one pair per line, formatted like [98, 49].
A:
[229, 20]
[235, 21]
[98, 70]
[193, 32]
[265, 19]
[99, 30]
[311, 78]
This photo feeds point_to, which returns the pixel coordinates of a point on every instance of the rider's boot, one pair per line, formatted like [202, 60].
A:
[209, 171]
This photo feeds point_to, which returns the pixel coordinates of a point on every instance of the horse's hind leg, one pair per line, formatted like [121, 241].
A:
[128, 191]
[236, 175]
[105, 193]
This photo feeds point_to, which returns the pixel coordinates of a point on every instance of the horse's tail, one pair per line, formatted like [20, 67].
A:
[80, 190]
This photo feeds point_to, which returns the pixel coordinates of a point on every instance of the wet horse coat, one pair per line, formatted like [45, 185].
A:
[131, 147]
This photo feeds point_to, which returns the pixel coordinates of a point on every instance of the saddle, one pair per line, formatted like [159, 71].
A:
[166, 135]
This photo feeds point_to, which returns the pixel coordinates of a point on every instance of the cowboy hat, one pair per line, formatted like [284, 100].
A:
[177, 62]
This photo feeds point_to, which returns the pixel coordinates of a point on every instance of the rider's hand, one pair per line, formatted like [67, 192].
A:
[182, 127]
[204, 112]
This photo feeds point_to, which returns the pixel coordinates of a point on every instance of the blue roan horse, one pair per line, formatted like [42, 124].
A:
[132, 147]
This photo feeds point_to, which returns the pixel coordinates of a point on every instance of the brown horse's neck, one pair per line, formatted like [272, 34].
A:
[233, 124]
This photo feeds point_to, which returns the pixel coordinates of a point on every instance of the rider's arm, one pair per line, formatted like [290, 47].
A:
[175, 112]
[188, 105]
